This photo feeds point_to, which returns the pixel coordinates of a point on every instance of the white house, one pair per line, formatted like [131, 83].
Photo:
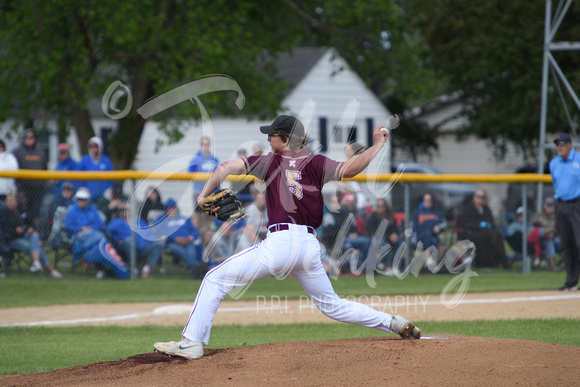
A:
[329, 98]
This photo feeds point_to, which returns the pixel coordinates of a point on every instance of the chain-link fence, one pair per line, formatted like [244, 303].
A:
[129, 224]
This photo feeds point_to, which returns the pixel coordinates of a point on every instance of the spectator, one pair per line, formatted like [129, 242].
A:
[242, 188]
[62, 201]
[384, 216]
[475, 222]
[119, 231]
[85, 225]
[428, 222]
[96, 160]
[565, 171]
[203, 161]
[350, 217]
[543, 235]
[22, 236]
[117, 197]
[257, 215]
[33, 190]
[221, 244]
[152, 207]
[182, 239]
[7, 163]
[330, 226]
[248, 236]
[515, 231]
[257, 150]
[65, 163]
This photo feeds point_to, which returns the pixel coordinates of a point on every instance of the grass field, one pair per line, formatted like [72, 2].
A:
[27, 350]
[25, 291]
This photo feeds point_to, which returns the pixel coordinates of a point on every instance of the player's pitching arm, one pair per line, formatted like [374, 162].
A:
[232, 167]
[358, 163]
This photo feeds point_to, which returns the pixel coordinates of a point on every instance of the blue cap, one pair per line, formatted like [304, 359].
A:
[170, 203]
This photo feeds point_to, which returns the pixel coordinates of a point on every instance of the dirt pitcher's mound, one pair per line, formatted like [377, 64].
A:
[433, 360]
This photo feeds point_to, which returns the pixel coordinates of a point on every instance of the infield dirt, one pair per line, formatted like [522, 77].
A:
[434, 360]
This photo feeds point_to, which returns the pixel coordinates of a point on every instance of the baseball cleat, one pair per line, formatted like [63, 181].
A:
[185, 348]
[404, 328]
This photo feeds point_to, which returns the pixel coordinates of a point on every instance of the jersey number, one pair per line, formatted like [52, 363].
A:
[292, 178]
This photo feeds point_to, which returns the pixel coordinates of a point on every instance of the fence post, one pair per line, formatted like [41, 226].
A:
[525, 258]
[406, 209]
[133, 221]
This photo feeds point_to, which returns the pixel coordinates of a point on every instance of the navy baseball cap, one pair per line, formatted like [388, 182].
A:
[564, 137]
[284, 124]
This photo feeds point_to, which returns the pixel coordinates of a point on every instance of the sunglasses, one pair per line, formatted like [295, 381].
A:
[270, 136]
[561, 143]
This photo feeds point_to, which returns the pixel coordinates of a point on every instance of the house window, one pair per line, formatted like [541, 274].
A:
[344, 134]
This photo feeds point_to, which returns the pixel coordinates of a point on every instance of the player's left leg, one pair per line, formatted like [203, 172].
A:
[313, 278]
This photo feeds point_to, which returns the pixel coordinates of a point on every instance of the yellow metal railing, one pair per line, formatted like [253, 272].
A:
[403, 177]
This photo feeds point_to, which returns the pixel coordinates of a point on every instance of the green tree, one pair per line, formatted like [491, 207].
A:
[391, 56]
[58, 56]
[492, 52]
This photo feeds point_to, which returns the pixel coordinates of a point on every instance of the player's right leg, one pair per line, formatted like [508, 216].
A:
[239, 270]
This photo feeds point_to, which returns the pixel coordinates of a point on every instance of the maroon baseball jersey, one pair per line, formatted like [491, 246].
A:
[294, 182]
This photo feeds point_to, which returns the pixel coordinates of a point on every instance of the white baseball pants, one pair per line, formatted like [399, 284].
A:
[293, 251]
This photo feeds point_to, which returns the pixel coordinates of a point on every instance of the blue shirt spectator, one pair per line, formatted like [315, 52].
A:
[83, 215]
[65, 163]
[95, 160]
[181, 240]
[203, 161]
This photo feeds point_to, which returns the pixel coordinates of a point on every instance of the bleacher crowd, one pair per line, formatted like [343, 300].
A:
[91, 221]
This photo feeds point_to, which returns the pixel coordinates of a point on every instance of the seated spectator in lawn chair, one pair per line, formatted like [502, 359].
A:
[119, 232]
[58, 208]
[543, 235]
[389, 240]
[152, 207]
[19, 235]
[84, 224]
[257, 215]
[475, 222]
[344, 231]
[515, 233]
[182, 239]
[428, 223]
[221, 244]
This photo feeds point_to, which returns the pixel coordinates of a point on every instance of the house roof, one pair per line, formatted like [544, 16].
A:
[293, 66]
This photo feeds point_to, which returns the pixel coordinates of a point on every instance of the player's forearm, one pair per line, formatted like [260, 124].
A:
[358, 163]
[234, 167]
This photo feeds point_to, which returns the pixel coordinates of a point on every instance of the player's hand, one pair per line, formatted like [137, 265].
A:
[380, 135]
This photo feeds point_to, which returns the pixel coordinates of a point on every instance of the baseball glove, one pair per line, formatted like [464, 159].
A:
[230, 208]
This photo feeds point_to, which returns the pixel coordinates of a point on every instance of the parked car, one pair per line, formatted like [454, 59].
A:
[450, 195]
[513, 198]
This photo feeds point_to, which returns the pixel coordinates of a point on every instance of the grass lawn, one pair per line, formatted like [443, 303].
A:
[22, 290]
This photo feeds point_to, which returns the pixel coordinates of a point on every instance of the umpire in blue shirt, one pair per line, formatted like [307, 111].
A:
[565, 171]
